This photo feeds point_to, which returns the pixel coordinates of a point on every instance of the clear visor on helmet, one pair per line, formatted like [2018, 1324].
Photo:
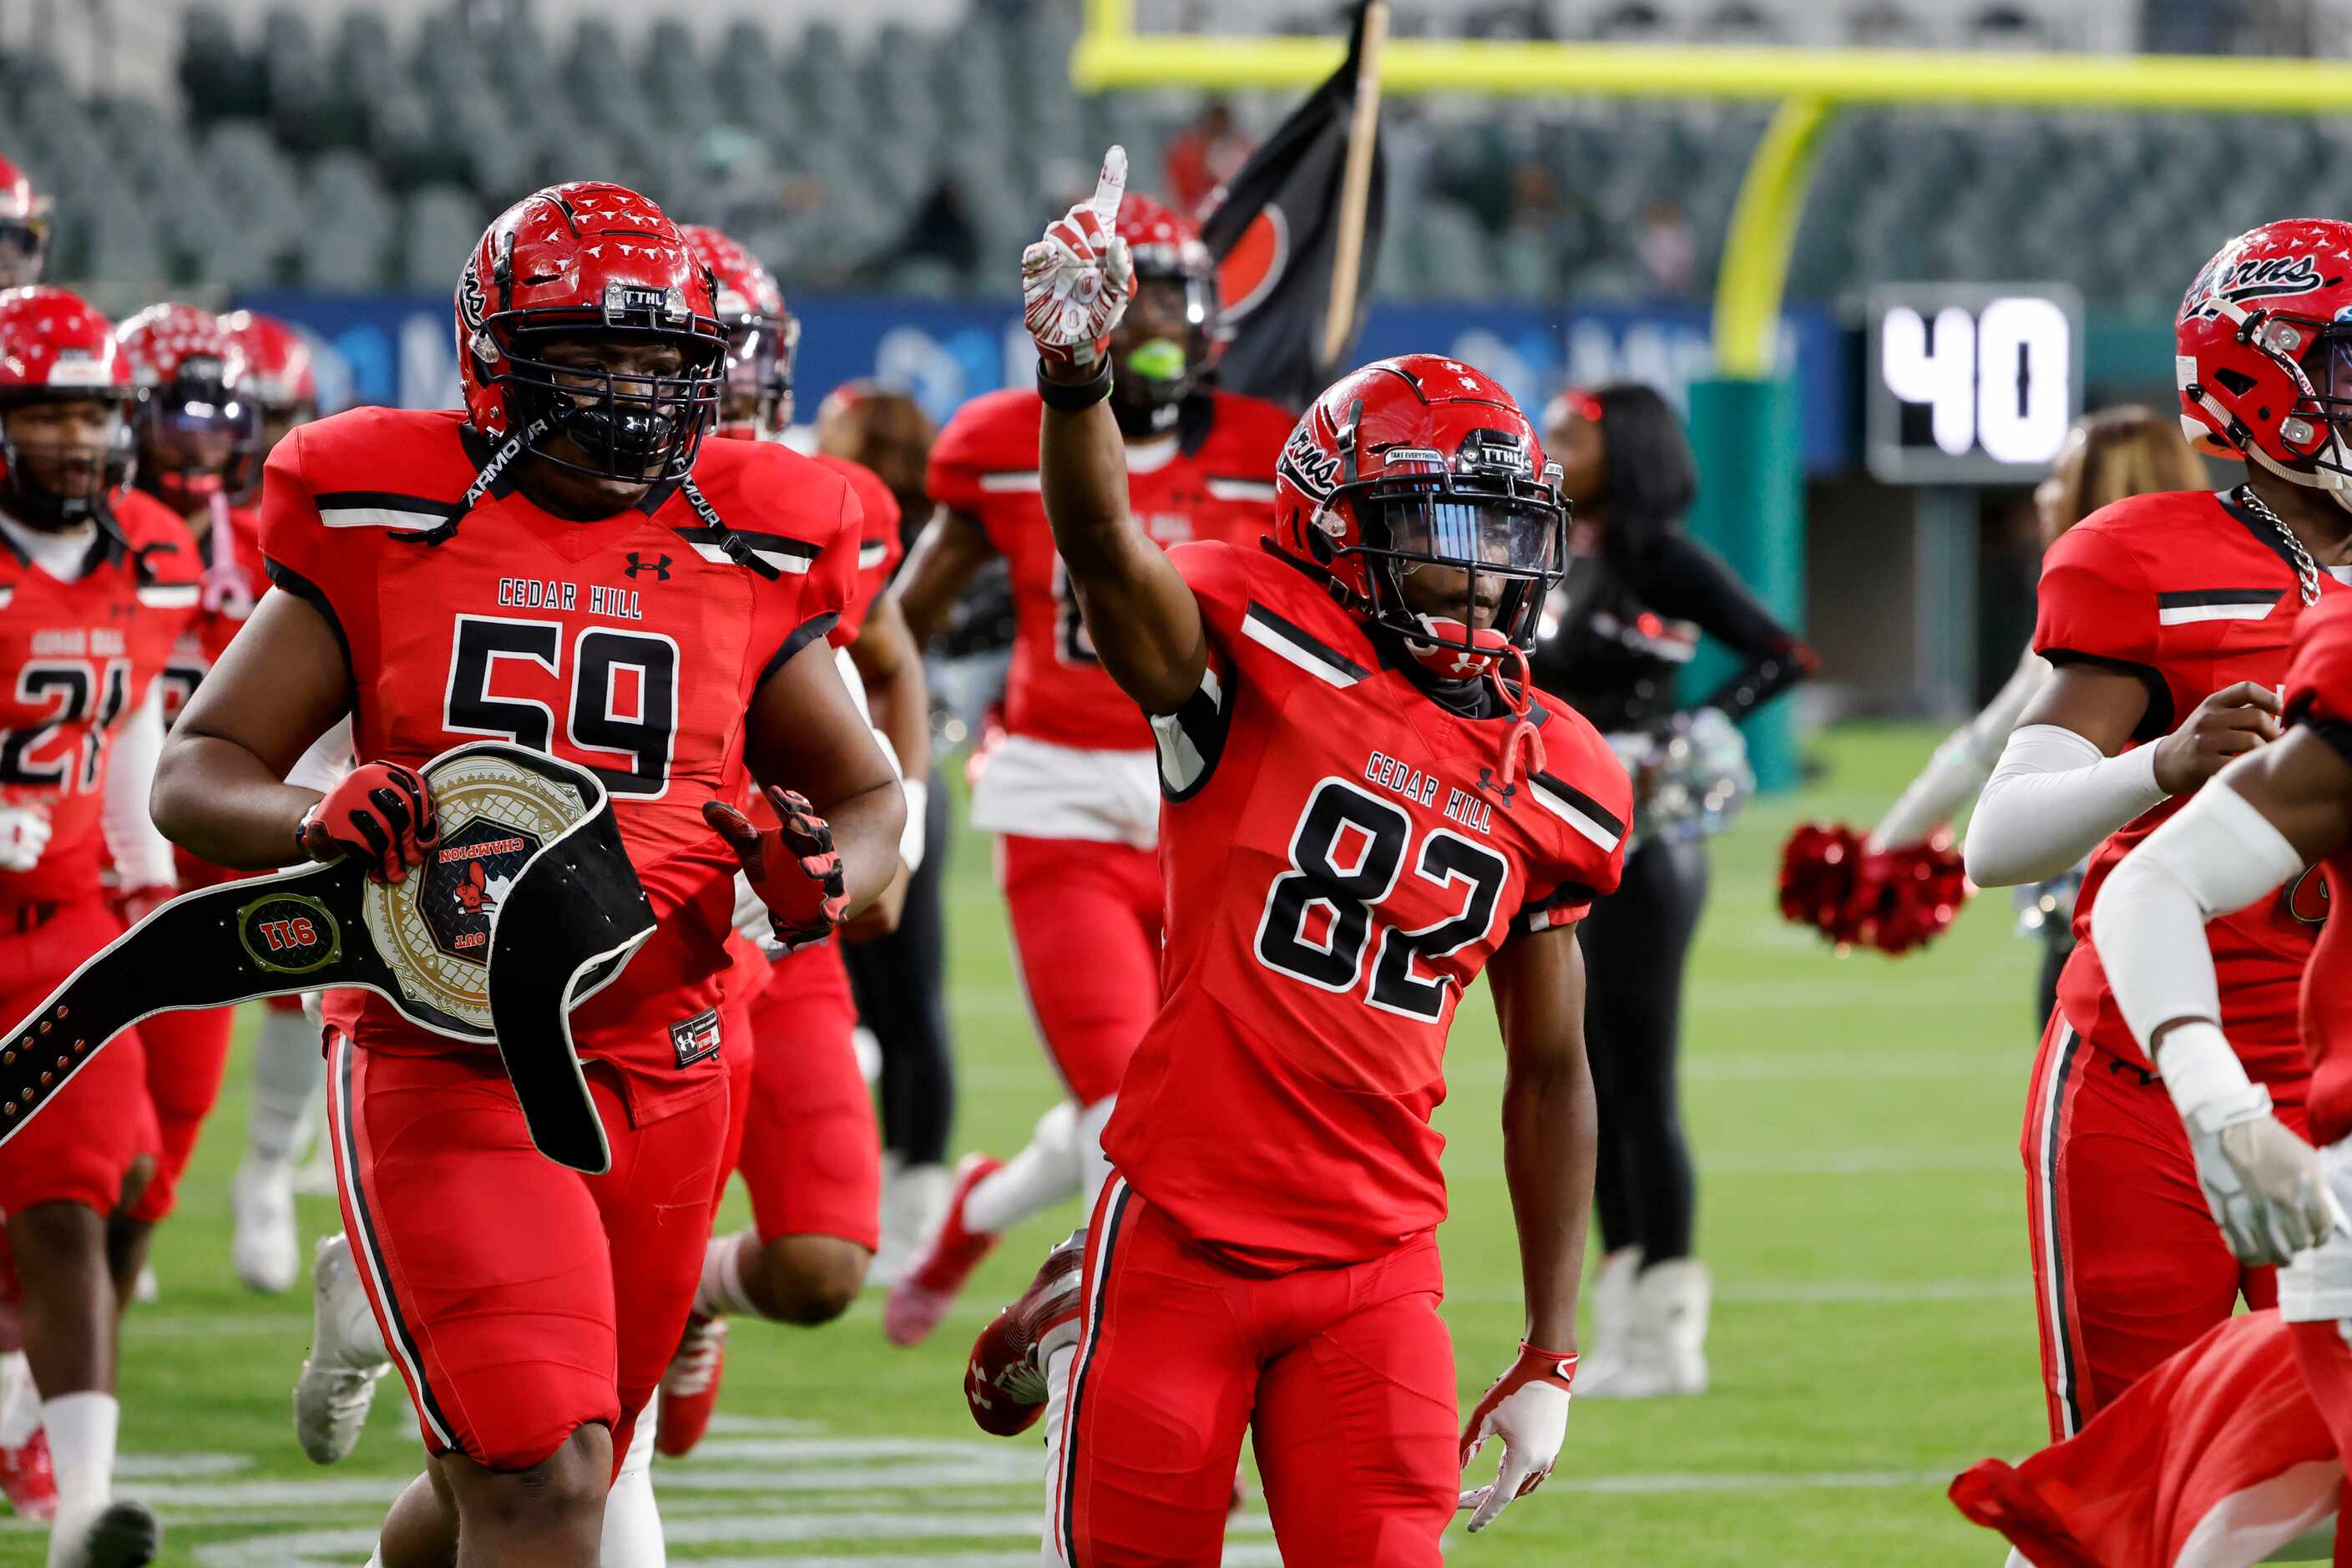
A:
[200, 433]
[1441, 524]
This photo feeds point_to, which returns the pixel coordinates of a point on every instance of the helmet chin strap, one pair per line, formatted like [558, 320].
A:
[2335, 480]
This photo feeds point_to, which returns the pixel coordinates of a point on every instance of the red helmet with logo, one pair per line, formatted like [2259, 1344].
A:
[2263, 355]
[198, 426]
[277, 365]
[597, 262]
[1420, 463]
[762, 335]
[1170, 336]
[23, 227]
[56, 348]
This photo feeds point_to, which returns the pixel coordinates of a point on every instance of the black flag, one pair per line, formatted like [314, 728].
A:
[1275, 233]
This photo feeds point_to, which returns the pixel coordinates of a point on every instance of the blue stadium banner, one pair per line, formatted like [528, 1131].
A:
[401, 348]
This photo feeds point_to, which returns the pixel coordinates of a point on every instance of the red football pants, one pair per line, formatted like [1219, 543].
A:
[187, 1055]
[2129, 1266]
[1086, 923]
[1343, 1376]
[521, 1300]
[80, 1145]
[811, 1151]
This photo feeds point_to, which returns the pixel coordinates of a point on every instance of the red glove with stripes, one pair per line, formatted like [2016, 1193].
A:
[793, 865]
[380, 813]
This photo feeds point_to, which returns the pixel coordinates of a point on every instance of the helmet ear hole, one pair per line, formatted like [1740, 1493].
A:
[2237, 383]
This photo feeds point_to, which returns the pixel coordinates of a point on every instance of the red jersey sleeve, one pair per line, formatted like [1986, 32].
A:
[299, 556]
[879, 549]
[2097, 606]
[991, 434]
[2320, 674]
[1584, 785]
[797, 607]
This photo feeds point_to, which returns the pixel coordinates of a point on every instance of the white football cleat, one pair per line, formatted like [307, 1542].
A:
[266, 1250]
[1665, 1353]
[122, 1534]
[347, 1356]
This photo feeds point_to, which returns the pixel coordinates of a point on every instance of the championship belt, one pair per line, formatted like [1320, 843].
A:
[525, 907]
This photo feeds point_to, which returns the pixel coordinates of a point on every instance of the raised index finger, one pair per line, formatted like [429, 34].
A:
[1110, 188]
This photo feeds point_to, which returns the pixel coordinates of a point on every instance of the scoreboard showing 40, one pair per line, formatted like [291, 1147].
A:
[1969, 384]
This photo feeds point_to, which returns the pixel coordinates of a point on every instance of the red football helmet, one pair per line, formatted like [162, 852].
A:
[23, 229]
[198, 426]
[596, 261]
[2263, 354]
[276, 369]
[56, 348]
[1419, 462]
[1169, 336]
[762, 336]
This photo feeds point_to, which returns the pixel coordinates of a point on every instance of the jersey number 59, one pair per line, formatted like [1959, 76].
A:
[1347, 854]
[620, 704]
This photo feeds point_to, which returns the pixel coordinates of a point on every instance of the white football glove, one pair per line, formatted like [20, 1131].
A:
[1527, 1407]
[24, 834]
[2261, 1182]
[1076, 282]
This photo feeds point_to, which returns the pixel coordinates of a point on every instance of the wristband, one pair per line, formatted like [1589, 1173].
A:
[2208, 1084]
[1072, 397]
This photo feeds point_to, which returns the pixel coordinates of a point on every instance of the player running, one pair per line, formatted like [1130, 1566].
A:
[198, 433]
[899, 977]
[96, 582]
[1069, 790]
[288, 1072]
[566, 564]
[1362, 812]
[802, 1128]
[2168, 618]
[2210, 1455]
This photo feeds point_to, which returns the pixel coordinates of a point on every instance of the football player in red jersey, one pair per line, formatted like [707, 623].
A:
[198, 431]
[288, 1072]
[2209, 1457]
[803, 1132]
[23, 229]
[566, 543]
[96, 582]
[1364, 810]
[2168, 618]
[1070, 789]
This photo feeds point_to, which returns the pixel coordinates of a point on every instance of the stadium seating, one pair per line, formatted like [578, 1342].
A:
[332, 157]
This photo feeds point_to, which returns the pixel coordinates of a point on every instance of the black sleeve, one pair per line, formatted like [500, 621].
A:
[1680, 577]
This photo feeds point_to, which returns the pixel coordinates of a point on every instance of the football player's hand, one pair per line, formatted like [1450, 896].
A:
[1076, 282]
[2225, 726]
[24, 834]
[2263, 1183]
[1527, 1407]
[793, 867]
[380, 815]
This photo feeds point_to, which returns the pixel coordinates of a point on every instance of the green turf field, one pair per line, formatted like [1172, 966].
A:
[1856, 1121]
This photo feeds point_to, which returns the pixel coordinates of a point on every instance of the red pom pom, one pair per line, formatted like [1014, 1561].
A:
[1893, 899]
[1818, 868]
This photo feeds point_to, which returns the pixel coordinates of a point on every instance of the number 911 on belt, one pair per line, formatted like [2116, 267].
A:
[1969, 384]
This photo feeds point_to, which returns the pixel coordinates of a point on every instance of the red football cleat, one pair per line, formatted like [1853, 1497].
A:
[689, 1389]
[28, 1479]
[943, 1262]
[1004, 1381]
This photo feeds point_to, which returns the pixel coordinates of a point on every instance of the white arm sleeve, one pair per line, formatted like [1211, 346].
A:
[2217, 855]
[1959, 768]
[2051, 801]
[329, 758]
[142, 855]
